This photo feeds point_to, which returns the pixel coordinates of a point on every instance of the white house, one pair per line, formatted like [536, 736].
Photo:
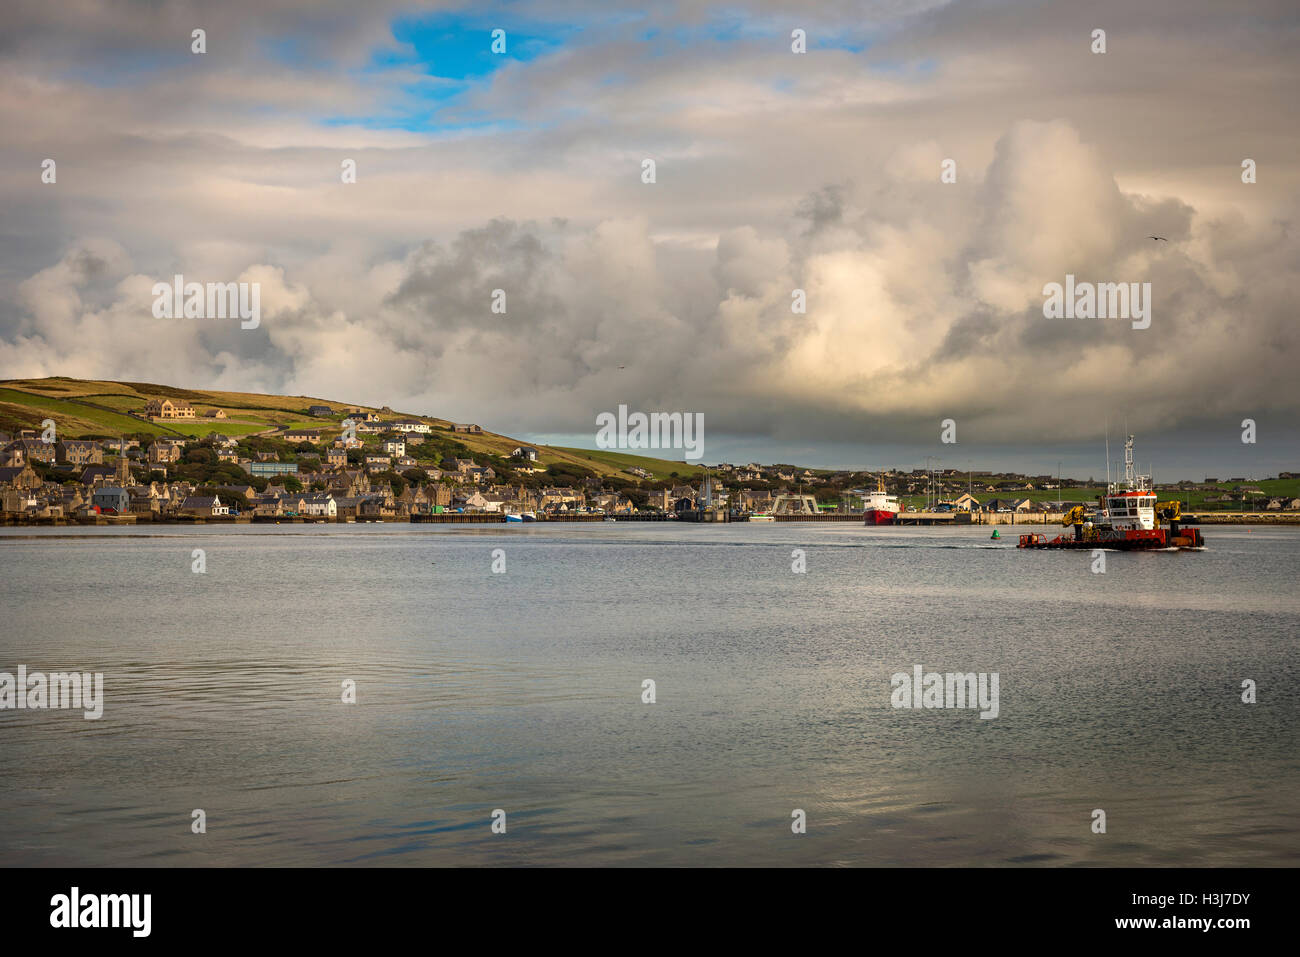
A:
[320, 506]
[412, 425]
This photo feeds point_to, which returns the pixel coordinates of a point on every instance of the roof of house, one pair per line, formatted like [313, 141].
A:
[201, 501]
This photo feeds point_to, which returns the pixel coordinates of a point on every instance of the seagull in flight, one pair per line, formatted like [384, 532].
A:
[1159, 238]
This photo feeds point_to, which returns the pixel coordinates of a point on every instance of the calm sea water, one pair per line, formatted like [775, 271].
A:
[522, 691]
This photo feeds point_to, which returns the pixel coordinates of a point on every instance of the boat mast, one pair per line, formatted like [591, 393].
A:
[1108, 456]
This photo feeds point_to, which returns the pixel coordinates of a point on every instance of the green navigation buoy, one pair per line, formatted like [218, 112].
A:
[995, 534]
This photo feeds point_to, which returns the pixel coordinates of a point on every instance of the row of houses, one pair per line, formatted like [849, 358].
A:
[78, 453]
[347, 494]
[74, 455]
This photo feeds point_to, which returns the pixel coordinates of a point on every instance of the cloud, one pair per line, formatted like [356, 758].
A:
[776, 172]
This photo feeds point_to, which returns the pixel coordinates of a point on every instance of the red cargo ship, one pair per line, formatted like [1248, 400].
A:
[881, 508]
[1126, 518]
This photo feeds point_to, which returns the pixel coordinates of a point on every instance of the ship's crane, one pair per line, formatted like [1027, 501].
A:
[1075, 516]
[1169, 511]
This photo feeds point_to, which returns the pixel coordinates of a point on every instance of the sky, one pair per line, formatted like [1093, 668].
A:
[775, 171]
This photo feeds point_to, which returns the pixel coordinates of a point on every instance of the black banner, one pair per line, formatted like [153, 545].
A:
[931, 908]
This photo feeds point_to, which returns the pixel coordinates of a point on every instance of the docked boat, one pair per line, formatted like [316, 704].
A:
[881, 508]
[762, 517]
[1126, 518]
[511, 517]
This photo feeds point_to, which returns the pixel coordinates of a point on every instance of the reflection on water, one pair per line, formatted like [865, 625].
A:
[522, 691]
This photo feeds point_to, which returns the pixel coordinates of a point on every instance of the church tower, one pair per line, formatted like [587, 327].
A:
[123, 469]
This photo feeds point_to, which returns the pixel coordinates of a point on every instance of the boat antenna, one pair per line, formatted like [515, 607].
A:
[1108, 456]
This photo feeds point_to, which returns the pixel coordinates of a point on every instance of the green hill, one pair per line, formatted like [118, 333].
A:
[661, 468]
[87, 408]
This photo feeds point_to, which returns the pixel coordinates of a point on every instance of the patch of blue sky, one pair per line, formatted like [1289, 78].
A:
[452, 56]
[459, 46]
[426, 105]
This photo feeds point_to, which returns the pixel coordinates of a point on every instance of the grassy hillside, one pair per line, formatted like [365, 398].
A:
[1068, 494]
[85, 408]
[661, 468]
[1279, 488]
[27, 409]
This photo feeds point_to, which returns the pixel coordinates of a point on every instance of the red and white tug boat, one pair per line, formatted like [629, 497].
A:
[1127, 518]
[881, 508]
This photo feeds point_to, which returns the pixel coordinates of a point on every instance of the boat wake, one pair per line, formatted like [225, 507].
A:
[947, 545]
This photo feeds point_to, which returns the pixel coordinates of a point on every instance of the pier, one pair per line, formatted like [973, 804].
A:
[709, 515]
[1241, 518]
[821, 517]
[1016, 518]
[459, 518]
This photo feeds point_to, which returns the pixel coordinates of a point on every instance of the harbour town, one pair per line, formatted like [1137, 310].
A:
[168, 459]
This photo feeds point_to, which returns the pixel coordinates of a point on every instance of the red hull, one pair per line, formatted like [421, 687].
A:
[878, 516]
[1129, 540]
